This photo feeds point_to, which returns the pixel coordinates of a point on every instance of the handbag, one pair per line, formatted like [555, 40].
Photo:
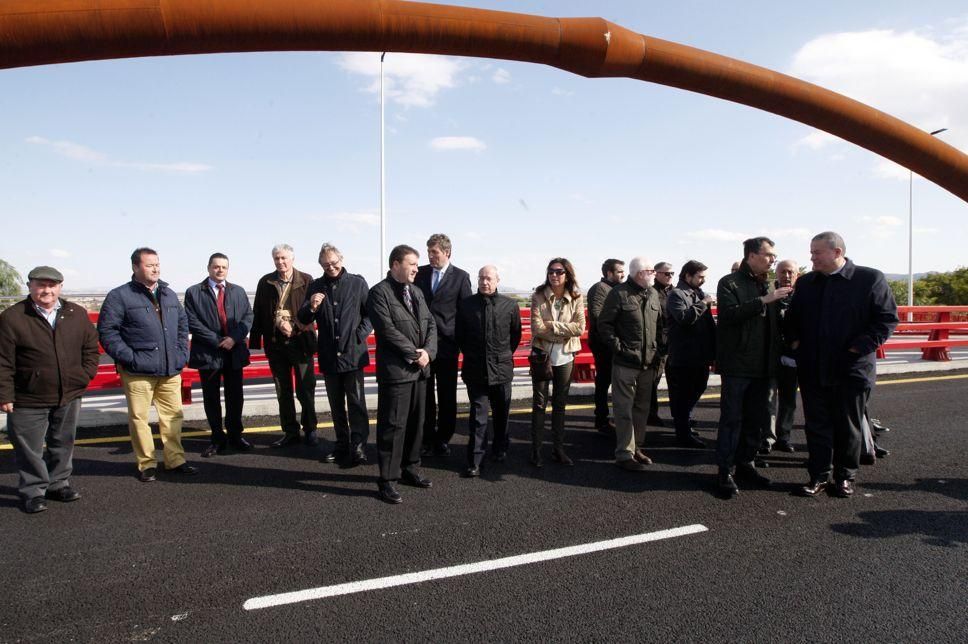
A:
[282, 319]
[539, 363]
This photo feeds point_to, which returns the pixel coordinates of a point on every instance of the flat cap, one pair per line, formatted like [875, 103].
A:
[45, 273]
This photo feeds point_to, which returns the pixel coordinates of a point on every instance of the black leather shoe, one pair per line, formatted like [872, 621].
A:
[184, 468]
[499, 457]
[443, 449]
[415, 480]
[783, 446]
[536, 459]
[426, 450]
[749, 475]
[35, 505]
[607, 428]
[388, 493]
[358, 457]
[335, 456]
[726, 485]
[878, 427]
[65, 494]
[558, 456]
[842, 489]
[211, 451]
[631, 465]
[287, 440]
[472, 472]
[868, 459]
[759, 462]
[655, 421]
[764, 450]
[880, 452]
[813, 488]
[240, 444]
[690, 442]
[147, 475]
[311, 438]
[641, 457]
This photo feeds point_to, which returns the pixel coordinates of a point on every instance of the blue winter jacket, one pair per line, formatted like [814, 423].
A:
[141, 342]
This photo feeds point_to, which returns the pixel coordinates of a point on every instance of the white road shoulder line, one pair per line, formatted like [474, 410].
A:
[295, 597]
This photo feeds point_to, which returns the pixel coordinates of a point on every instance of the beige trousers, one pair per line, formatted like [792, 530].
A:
[165, 393]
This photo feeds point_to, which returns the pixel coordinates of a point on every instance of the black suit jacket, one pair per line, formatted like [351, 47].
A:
[454, 287]
[399, 333]
[488, 331]
[206, 330]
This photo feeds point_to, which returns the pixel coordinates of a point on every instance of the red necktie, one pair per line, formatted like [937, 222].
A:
[223, 318]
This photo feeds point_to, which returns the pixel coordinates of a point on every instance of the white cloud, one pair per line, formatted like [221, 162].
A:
[788, 233]
[919, 76]
[816, 140]
[413, 80]
[887, 221]
[501, 76]
[716, 234]
[83, 153]
[458, 143]
[58, 252]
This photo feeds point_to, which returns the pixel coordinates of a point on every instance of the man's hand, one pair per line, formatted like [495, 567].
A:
[227, 343]
[778, 294]
[423, 358]
[6, 407]
[709, 299]
[316, 300]
[286, 329]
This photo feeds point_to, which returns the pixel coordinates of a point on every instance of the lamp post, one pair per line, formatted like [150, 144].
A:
[383, 189]
[910, 297]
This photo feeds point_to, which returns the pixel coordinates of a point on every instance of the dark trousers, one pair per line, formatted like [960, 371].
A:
[399, 425]
[786, 405]
[834, 416]
[743, 408]
[212, 381]
[288, 362]
[483, 397]
[654, 406]
[561, 382]
[603, 380]
[441, 418]
[686, 386]
[43, 469]
[347, 403]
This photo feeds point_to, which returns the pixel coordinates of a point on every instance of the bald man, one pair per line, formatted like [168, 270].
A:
[488, 331]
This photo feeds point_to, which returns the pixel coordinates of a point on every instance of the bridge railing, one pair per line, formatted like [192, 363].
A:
[931, 332]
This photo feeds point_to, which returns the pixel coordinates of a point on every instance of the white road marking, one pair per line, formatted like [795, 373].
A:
[295, 597]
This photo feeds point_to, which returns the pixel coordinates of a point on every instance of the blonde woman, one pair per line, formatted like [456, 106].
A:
[557, 322]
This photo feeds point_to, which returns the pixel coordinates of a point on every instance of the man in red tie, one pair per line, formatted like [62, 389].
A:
[219, 318]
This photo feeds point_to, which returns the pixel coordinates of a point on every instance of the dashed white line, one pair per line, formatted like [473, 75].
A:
[295, 597]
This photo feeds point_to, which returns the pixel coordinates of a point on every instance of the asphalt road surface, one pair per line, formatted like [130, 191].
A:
[187, 559]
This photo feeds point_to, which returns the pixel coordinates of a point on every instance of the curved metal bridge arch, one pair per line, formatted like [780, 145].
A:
[37, 32]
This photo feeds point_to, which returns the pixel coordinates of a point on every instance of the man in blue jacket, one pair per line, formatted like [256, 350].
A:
[839, 315]
[143, 327]
[219, 317]
[337, 302]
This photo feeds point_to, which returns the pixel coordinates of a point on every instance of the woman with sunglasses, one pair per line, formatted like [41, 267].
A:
[557, 322]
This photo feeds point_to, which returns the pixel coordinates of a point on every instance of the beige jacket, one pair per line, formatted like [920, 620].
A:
[567, 329]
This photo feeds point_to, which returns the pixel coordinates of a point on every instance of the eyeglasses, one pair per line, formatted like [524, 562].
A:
[667, 273]
[556, 271]
[330, 264]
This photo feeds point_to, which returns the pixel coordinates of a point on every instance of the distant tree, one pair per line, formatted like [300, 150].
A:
[948, 289]
[11, 283]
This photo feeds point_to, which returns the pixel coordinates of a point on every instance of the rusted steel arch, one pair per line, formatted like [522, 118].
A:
[37, 32]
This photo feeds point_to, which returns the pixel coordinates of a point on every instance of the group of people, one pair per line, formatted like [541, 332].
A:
[768, 338]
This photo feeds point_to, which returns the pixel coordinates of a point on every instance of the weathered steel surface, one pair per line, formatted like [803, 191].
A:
[37, 32]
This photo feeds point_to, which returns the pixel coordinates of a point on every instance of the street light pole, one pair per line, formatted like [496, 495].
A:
[383, 188]
[910, 294]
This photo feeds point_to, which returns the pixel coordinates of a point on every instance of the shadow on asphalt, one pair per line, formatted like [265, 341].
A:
[939, 528]
[953, 488]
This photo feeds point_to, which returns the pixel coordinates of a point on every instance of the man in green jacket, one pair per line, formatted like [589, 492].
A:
[630, 324]
[747, 352]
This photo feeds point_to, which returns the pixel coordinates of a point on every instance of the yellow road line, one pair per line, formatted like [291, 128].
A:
[523, 410]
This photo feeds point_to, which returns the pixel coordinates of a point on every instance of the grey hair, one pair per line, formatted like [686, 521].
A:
[662, 265]
[791, 262]
[283, 247]
[637, 264]
[329, 248]
[832, 239]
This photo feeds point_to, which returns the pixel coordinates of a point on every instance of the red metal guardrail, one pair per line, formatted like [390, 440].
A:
[937, 323]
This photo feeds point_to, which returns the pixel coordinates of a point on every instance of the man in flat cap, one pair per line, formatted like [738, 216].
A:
[48, 355]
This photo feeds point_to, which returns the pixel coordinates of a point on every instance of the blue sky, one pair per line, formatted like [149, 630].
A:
[517, 163]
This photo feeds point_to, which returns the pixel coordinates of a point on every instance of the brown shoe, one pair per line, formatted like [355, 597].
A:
[558, 456]
[631, 465]
[843, 489]
[641, 457]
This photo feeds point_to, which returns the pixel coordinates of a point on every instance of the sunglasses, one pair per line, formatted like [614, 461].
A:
[556, 271]
[667, 273]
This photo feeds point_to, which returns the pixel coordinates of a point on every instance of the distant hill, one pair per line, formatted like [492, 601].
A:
[903, 276]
